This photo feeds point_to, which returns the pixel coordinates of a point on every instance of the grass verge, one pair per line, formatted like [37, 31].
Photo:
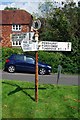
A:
[18, 101]
[0, 65]
[0, 98]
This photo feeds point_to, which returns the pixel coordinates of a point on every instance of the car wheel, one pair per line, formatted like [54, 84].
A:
[11, 69]
[42, 71]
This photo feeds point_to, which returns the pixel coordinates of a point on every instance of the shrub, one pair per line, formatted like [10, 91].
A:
[52, 58]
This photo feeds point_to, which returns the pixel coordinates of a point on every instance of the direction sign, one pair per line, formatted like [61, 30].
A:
[54, 46]
[29, 45]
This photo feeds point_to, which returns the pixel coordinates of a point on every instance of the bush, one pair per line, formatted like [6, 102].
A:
[52, 58]
[69, 66]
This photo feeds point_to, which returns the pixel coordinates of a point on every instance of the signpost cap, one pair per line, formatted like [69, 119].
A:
[36, 24]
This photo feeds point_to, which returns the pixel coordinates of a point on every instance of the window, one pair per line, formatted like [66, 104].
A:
[19, 57]
[16, 27]
[16, 43]
[29, 60]
[17, 38]
[19, 42]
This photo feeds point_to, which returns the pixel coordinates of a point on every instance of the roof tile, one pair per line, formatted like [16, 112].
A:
[15, 17]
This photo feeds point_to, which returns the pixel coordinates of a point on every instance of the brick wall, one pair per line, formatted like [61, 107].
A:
[7, 30]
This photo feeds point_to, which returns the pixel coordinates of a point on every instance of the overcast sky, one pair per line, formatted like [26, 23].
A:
[28, 5]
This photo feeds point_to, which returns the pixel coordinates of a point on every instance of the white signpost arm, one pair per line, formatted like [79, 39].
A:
[54, 46]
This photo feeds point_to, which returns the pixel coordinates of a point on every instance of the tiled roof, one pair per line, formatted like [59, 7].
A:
[15, 17]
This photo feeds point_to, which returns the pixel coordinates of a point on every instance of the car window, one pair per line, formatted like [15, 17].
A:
[19, 57]
[29, 60]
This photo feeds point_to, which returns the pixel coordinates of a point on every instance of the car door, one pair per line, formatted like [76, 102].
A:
[19, 62]
[29, 64]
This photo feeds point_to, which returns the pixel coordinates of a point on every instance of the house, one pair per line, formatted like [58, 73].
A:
[14, 24]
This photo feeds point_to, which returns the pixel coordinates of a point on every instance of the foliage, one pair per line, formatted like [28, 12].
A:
[53, 102]
[45, 8]
[68, 65]
[62, 25]
[10, 8]
[52, 58]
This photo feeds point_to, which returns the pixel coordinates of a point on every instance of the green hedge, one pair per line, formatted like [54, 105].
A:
[52, 58]
[56, 58]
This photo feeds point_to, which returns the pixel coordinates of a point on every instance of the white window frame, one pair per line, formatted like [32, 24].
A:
[16, 27]
[16, 43]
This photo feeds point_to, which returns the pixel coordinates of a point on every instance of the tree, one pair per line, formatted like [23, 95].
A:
[45, 8]
[63, 24]
[56, 26]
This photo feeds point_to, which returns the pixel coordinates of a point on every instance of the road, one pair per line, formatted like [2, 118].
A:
[44, 79]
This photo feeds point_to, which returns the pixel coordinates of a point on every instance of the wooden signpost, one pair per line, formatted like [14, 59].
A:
[36, 26]
[28, 45]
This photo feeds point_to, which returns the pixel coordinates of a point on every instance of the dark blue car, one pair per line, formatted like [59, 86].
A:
[24, 63]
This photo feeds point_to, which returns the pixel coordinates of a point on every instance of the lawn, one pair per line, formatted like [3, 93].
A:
[0, 65]
[18, 101]
[0, 99]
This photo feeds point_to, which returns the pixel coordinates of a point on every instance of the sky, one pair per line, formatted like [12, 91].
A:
[28, 5]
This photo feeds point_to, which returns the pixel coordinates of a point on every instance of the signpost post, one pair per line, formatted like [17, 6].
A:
[36, 26]
[32, 45]
[36, 71]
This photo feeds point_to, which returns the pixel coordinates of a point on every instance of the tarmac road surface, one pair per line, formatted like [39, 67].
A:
[44, 79]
